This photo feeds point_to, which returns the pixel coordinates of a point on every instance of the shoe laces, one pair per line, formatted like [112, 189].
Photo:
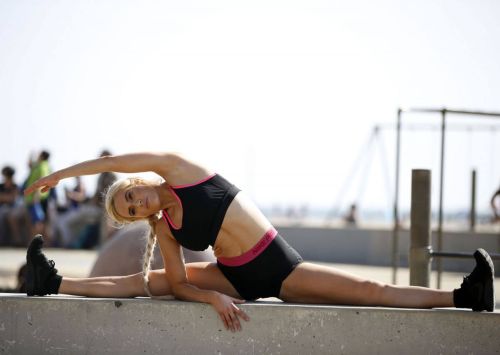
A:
[51, 266]
[466, 281]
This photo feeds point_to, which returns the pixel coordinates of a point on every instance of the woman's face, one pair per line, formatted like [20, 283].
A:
[136, 202]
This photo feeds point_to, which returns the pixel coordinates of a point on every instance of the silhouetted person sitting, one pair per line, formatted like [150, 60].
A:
[351, 217]
[9, 192]
[495, 206]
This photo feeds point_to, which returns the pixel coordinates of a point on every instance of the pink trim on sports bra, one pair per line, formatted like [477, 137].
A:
[165, 215]
[256, 250]
[196, 183]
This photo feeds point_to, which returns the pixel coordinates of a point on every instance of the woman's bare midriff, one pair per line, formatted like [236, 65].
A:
[243, 226]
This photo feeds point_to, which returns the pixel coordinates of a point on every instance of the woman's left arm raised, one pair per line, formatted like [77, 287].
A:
[160, 163]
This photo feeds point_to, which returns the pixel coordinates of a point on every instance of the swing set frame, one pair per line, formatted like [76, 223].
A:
[396, 225]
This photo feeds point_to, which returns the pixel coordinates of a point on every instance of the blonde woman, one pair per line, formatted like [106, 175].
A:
[195, 207]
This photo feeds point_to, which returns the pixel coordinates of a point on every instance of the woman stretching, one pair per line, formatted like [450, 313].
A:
[195, 208]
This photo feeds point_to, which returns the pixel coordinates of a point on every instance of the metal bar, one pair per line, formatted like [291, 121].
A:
[449, 127]
[420, 231]
[441, 184]
[473, 113]
[458, 112]
[447, 254]
[472, 215]
[395, 232]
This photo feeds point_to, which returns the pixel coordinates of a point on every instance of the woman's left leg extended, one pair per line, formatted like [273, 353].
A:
[311, 283]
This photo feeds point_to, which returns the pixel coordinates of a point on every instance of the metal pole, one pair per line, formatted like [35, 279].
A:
[395, 232]
[473, 201]
[441, 183]
[420, 231]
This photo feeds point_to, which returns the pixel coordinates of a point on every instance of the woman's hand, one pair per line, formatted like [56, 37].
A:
[45, 183]
[228, 311]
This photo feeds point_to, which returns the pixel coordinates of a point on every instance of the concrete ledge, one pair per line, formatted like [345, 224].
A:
[73, 325]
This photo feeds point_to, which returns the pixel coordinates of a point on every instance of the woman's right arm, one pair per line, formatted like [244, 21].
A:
[175, 272]
[161, 164]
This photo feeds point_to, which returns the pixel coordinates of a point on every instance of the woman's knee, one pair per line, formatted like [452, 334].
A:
[374, 290]
[158, 283]
[131, 283]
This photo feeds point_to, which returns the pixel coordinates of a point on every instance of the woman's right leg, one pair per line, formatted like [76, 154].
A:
[203, 275]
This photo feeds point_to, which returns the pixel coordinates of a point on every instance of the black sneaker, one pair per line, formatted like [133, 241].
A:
[41, 275]
[477, 290]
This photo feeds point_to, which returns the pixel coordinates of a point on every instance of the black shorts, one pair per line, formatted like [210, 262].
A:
[263, 276]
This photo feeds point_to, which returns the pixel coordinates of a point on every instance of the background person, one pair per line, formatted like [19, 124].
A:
[37, 203]
[77, 195]
[495, 205]
[9, 191]
[351, 218]
[88, 226]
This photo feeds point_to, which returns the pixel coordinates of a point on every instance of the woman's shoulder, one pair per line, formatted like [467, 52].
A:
[186, 171]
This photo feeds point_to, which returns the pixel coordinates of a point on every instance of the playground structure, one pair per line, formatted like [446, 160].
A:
[355, 184]
[362, 167]
[443, 112]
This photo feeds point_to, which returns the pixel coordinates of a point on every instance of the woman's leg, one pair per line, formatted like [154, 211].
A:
[209, 277]
[203, 275]
[108, 286]
[310, 283]
[42, 279]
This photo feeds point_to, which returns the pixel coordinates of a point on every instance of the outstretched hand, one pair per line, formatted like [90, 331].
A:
[45, 183]
[229, 312]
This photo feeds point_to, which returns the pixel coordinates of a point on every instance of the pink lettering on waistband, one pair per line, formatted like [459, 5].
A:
[256, 250]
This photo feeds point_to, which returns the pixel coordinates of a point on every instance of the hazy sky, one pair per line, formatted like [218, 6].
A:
[278, 96]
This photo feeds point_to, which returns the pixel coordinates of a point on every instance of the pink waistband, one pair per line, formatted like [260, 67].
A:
[248, 256]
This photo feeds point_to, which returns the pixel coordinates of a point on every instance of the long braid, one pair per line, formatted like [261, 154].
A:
[120, 220]
[148, 256]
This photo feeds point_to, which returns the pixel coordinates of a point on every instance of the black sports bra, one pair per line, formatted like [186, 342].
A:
[204, 205]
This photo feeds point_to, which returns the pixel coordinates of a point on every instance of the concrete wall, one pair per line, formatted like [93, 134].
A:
[374, 246]
[71, 325]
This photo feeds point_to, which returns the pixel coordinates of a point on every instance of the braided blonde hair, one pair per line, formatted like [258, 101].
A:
[120, 221]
